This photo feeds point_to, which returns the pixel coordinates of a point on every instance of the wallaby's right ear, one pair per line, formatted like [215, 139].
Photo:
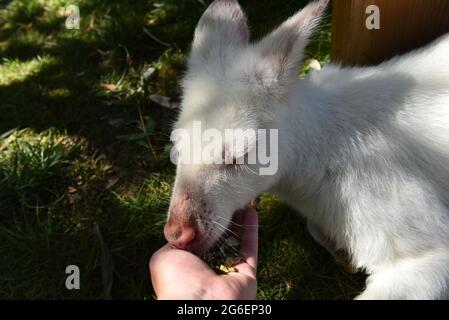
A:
[283, 49]
[222, 25]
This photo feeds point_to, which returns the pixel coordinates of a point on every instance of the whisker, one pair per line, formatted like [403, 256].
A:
[237, 224]
[226, 229]
[230, 221]
[246, 167]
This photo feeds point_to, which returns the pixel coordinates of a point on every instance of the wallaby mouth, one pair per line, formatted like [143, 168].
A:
[226, 252]
[187, 235]
[232, 230]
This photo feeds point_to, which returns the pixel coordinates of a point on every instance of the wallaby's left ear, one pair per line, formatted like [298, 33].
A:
[222, 25]
[284, 47]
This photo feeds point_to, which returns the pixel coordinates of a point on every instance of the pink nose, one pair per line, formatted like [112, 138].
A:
[181, 229]
[180, 235]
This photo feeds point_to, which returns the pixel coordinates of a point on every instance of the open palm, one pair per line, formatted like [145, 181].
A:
[179, 274]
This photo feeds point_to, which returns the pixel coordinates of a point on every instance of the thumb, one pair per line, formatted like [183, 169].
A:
[250, 237]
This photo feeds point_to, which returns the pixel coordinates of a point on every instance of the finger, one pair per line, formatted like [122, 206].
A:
[171, 267]
[156, 262]
[169, 258]
[156, 257]
[250, 238]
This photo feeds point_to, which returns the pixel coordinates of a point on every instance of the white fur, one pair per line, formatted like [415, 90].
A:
[363, 152]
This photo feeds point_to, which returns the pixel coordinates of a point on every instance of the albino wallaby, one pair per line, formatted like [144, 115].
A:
[363, 152]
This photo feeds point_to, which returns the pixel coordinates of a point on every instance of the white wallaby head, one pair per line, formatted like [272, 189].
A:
[231, 84]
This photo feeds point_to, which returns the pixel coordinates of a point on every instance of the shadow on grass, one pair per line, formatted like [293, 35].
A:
[108, 231]
[68, 95]
[292, 265]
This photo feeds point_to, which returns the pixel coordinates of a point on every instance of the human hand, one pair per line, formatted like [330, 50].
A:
[180, 275]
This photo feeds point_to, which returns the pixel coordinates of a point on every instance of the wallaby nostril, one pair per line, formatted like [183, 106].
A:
[172, 234]
[181, 227]
[186, 237]
[180, 236]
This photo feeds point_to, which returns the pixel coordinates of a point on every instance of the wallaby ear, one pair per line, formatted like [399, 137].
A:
[222, 25]
[283, 49]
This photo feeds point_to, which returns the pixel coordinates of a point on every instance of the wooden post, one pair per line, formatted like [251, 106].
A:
[404, 26]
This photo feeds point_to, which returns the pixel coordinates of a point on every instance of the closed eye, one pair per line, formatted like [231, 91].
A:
[234, 166]
[235, 163]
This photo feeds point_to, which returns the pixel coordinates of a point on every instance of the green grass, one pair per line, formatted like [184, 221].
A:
[85, 176]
